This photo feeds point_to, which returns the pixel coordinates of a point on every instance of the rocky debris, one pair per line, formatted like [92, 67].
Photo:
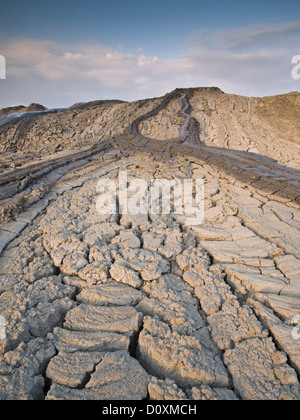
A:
[260, 372]
[228, 252]
[165, 390]
[127, 239]
[117, 376]
[125, 275]
[251, 279]
[206, 393]
[285, 308]
[290, 267]
[124, 319]
[209, 286]
[72, 369]
[126, 306]
[72, 341]
[172, 301]
[21, 370]
[33, 310]
[150, 265]
[132, 262]
[110, 294]
[152, 241]
[234, 324]
[282, 333]
[184, 359]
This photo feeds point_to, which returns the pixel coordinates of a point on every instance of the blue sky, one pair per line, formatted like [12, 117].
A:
[62, 52]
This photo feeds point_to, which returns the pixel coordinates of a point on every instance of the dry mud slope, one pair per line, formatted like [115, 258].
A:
[147, 307]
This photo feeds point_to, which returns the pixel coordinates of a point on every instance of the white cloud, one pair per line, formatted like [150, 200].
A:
[250, 61]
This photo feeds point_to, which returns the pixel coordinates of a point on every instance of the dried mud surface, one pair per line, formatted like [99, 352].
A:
[148, 307]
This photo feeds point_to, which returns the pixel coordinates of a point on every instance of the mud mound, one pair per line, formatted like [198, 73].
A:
[136, 306]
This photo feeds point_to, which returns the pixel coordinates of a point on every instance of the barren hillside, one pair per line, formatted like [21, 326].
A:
[148, 306]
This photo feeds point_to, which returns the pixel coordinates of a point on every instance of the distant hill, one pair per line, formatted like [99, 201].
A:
[267, 126]
[21, 108]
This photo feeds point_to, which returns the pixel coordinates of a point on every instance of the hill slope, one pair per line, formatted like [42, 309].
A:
[267, 126]
[150, 306]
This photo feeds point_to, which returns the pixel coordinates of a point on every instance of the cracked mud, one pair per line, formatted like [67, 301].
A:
[147, 307]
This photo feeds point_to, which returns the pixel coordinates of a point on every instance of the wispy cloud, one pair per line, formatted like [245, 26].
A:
[250, 61]
[253, 37]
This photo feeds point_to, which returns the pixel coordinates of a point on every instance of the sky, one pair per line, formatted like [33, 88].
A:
[62, 52]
